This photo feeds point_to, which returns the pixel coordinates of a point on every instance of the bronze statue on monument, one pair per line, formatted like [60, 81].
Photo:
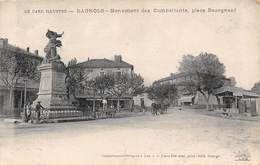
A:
[51, 48]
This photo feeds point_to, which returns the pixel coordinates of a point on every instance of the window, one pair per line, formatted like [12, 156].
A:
[87, 71]
[102, 73]
[118, 74]
[109, 71]
[1, 103]
[18, 99]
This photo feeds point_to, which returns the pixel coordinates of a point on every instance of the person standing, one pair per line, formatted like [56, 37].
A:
[38, 110]
[28, 112]
[104, 103]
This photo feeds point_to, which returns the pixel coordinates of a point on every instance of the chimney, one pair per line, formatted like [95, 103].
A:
[88, 58]
[36, 52]
[28, 49]
[118, 58]
[3, 42]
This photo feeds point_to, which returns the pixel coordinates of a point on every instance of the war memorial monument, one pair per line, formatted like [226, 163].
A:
[52, 91]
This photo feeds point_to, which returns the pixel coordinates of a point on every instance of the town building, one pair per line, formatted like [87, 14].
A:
[142, 101]
[98, 67]
[18, 93]
[239, 100]
[187, 96]
[227, 97]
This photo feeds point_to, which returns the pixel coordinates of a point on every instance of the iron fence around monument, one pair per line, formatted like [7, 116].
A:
[79, 114]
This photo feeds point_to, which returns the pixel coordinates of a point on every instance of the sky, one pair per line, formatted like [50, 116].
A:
[153, 42]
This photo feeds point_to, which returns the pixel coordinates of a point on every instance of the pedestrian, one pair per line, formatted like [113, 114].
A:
[104, 103]
[28, 112]
[143, 108]
[38, 110]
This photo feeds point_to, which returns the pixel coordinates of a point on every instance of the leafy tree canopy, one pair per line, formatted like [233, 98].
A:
[256, 87]
[75, 77]
[208, 71]
[162, 92]
[15, 66]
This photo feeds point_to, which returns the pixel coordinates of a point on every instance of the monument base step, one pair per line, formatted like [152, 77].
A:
[72, 119]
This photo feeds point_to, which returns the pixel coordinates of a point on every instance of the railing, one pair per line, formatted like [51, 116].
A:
[79, 113]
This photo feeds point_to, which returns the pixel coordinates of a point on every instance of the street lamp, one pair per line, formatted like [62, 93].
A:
[25, 95]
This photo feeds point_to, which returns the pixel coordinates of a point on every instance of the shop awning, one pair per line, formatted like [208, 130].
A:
[235, 91]
[186, 99]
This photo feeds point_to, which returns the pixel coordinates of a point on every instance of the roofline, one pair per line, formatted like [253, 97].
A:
[173, 76]
[111, 67]
[23, 52]
[177, 75]
[82, 63]
[243, 91]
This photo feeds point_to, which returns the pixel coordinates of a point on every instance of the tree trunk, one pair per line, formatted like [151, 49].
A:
[11, 107]
[208, 104]
[206, 97]
[94, 104]
[218, 99]
[118, 104]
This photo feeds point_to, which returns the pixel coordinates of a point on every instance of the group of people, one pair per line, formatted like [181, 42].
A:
[158, 108]
[28, 110]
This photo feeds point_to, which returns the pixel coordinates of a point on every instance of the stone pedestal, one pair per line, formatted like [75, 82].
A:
[52, 91]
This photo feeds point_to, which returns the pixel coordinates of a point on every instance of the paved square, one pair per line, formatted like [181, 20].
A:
[179, 137]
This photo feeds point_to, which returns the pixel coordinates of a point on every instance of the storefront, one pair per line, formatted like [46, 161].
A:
[98, 103]
[238, 99]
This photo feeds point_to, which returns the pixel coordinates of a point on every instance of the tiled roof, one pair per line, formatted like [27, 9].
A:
[179, 75]
[22, 51]
[229, 89]
[173, 76]
[16, 49]
[236, 91]
[104, 63]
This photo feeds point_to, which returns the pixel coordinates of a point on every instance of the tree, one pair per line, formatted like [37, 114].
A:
[189, 87]
[126, 85]
[231, 81]
[162, 92]
[209, 73]
[117, 86]
[256, 87]
[136, 84]
[74, 77]
[14, 67]
[100, 85]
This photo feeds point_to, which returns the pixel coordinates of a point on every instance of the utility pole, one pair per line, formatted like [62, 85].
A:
[24, 102]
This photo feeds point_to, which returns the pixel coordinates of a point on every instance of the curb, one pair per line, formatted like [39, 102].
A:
[12, 120]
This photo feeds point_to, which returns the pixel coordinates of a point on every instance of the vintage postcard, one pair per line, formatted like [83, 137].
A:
[130, 82]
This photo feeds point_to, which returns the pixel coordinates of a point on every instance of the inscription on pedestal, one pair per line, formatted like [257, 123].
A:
[45, 83]
[59, 82]
[52, 90]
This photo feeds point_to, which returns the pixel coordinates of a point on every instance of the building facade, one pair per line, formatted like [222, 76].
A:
[239, 100]
[228, 96]
[98, 67]
[16, 96]
[186, 95]
[142, 100]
